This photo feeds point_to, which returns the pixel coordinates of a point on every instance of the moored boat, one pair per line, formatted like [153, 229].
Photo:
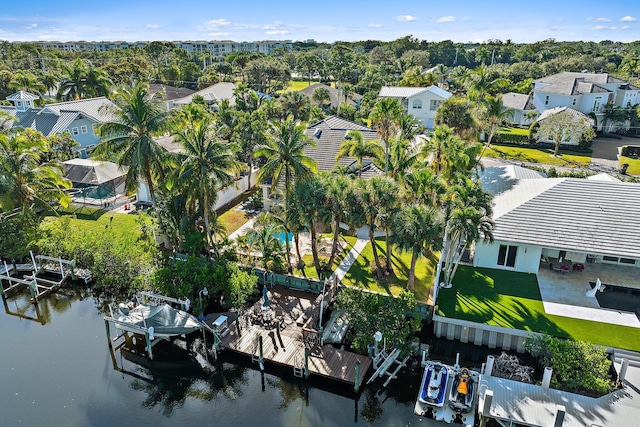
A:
[433, 390]
[463, 391]
[165, 320]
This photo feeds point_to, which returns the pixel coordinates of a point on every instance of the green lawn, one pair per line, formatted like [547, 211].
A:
[634, 165]
[233, 219]
[512, 300]
[513, 131]
[539, 155]
[361, 272]
[310, 271]
[298, 85]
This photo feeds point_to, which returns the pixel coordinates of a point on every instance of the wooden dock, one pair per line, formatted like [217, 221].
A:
[326, 361]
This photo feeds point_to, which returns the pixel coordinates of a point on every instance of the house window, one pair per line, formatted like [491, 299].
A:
[546, 100]
[507, 255]
[610, 258]
[417, 104]
[83, 129]
[74, 131]
[434, 104]
[596, 104]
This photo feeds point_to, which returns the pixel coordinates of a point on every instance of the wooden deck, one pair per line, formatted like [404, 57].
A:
[326, 361]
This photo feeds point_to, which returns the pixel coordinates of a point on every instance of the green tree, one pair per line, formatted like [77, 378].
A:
[310, 198]
[354, 145]
[73, 84]
[296, 104]
[385, 116]
[207, 166]
[493, 115]
[416, 229]
[457, 113]
[308, 63]
[130, 136]
[564, 127]
[28, 82]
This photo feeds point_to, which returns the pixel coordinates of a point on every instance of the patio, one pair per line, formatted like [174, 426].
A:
[564, 294]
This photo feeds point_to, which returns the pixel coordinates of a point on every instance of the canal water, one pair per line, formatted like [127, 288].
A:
[56, 369]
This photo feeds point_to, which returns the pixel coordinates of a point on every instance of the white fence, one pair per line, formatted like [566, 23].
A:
[234, 190]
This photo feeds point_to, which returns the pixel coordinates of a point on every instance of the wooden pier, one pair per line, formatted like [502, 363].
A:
[293, 343]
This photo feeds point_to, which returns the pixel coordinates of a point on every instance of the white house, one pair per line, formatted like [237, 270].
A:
[420, 102]
[524, 111]
[78, 118]
[574, 116]
[585, 92]
[211, 95]
[581, 220]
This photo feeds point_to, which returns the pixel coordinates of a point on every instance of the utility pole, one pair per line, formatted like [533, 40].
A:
[493, 55]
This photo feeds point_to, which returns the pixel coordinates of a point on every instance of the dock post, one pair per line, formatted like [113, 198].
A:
[261, 355]
[107, 327]
[73, 265]
[356, 385]
[33, 288]
[148, 341]
[306, 363]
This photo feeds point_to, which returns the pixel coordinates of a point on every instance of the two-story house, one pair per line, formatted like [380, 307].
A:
[78, 118]
[584, 92]
[419, 102]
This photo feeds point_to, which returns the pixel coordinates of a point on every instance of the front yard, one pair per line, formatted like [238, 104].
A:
[361, 274]
[634, 165]
[512, 300]
[543, 156]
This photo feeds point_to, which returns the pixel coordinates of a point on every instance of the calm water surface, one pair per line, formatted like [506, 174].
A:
[56, 370]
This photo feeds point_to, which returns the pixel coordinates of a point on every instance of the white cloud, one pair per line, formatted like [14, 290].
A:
[153, 26]
[603, 27]
[276, 32]
[375, 25]
[219, 34]
[217, 23]
[444, 19]
[465, 19]
[626, 27]
[628, 19]
[406, 18]
[599, 19]
[34, 25]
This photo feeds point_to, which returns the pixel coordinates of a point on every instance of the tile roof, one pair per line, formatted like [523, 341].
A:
[498, 179]
[170, 92]
[213, 93]
[576, 83]
[328, 134]
[517, 101]
[571, 214]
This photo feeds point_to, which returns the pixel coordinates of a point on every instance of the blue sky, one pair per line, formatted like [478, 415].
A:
[327, 21]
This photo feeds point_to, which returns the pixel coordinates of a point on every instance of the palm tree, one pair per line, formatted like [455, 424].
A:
[25, 179]
[386, 193]
[139, 118]
[321, 96]
[208, 165]
[336, 191]
[73, 83]
[469, 215]
[284, 153]
[97, 82]
[416, 229]
[28, 82]
[354, 145]
[494, 115]
[311, 202]
[483, 83]
[448, 155]
[385, 116]
[296, 104]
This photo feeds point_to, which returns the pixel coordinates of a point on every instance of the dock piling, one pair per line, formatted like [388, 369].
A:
[356, 385]
[306, 363]
[261, 360]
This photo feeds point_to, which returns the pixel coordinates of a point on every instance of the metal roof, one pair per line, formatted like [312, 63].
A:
[407, 92]
[571, 214]
[89, 171]
[22, 96]
[100, 109]
[532, 405]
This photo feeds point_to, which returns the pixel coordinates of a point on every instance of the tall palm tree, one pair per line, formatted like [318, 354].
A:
[208, 165]
[385, 116]
[483, 83]
[416, 229]
[28, 82]
[336, 192]
[311, 202]
[448, 155]
[73, 84]
[25, 178]
[139, 118]
[494, 115]
[97, 82]
[285, 158]
[297, 104]
[386, 194]
[354, 145]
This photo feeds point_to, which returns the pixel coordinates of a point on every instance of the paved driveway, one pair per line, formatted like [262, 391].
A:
[605, 150]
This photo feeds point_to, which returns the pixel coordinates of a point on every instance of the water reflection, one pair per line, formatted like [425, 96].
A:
[20, 304]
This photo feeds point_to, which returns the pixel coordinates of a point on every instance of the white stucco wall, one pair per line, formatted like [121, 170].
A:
[424, 114]
[527, 257]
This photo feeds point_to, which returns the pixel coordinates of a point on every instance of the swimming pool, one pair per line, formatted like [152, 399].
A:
[281, 236]
[619, 298]
[95, 193]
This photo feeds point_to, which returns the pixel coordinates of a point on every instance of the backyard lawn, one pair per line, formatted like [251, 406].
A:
[310, 271]
[231, 218]
[634, 165]
[512, 300]
[539, 155]
[361, 272]
[298, 85]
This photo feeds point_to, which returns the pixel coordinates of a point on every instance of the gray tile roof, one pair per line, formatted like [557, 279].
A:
[170, 92]
[498, 179]
[581, 215]
[333, 94]
[407, 92]
[575, 115]
[517, 101]
[576, 83]
[213, 93]
[332, 131]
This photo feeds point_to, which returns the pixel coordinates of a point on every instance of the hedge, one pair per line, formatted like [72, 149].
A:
[630, 150]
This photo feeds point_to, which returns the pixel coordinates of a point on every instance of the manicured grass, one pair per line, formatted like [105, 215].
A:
[234, 219]
[512, 300]
[539, 155]
[514, 131]
[310, 271]
[361, 272]
[634, 165]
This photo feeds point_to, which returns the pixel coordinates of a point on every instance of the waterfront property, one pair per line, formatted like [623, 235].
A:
[94, 181]
[285, 332]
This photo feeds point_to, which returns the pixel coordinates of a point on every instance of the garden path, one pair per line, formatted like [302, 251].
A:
[348, 261]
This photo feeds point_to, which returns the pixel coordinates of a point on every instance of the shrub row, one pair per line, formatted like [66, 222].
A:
[631, 150]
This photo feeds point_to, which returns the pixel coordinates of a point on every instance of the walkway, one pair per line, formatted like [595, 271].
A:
[243, 230]
[348, 261]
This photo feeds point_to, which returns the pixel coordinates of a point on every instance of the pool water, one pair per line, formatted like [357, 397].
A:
[96, 192]
[282, 236]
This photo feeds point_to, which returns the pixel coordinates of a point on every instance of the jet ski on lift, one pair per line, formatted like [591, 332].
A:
[462, 391]
[434, 384]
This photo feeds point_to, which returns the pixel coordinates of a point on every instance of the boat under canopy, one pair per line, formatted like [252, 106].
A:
[165, 320]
